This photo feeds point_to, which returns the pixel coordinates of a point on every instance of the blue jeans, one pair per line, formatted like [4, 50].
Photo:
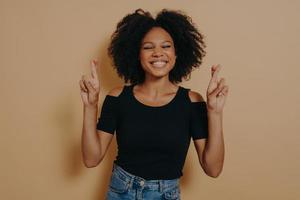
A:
[126, 186]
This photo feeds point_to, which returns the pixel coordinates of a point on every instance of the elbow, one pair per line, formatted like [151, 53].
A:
[91, 163]
[88, 165]
[214, 175]
[213, 172]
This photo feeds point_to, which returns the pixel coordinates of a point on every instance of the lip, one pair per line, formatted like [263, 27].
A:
[153, 61]
[159, 64]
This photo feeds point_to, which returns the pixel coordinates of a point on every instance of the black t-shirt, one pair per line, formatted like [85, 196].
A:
[153, 141]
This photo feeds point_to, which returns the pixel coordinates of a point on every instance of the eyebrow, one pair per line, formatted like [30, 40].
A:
[152, 42]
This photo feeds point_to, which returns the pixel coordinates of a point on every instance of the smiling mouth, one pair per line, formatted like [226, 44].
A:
[158, 64]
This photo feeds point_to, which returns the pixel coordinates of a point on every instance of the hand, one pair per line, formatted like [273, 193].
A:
[90, 87]
[217, 91]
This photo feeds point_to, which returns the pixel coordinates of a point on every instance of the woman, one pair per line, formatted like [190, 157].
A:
[153, 117]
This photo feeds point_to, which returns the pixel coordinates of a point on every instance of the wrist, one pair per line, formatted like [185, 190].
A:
[90, 107]
[213, 113]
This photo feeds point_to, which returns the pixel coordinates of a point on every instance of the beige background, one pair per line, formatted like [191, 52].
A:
[45, 47]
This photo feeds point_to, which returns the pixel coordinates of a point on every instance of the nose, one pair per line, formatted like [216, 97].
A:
[157, 52]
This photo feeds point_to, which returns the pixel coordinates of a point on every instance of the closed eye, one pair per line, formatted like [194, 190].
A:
[168, 46]
[147, 47]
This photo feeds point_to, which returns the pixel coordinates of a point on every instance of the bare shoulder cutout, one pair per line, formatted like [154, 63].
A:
[116, 91]
[195, 96]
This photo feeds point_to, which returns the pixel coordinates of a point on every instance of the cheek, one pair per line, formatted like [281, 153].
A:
[142, 58]
[171, 53]
[143, 55]
[172, 56]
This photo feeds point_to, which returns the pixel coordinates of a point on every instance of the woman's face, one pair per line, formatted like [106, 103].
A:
[157, 53]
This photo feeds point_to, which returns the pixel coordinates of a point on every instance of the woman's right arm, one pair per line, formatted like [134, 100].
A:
[90, 141]
[94, 143]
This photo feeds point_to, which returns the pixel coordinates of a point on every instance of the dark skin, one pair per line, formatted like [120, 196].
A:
[157, 57]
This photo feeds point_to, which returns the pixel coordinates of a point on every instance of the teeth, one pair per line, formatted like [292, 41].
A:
[159, 63]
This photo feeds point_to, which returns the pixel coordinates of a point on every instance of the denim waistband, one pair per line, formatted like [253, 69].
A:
[139, 182]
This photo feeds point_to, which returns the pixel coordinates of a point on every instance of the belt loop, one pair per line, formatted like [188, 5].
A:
[131, 182]
[161, 189]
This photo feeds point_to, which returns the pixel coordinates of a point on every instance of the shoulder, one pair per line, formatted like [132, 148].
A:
[116, 91]
[195, 96]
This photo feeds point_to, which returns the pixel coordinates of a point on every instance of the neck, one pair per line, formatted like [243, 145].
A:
[157, 87]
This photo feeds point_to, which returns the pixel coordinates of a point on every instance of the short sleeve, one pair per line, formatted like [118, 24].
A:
[107, 120]
[198, 120]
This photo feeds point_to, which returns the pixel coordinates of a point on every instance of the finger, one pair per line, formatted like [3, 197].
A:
[87, 80]
[215, 71]
[225, 90]
[84, 78]
[220, 87]
[221, 84]
[221, 92]
[89, 86]
[94, 69]
[82, 86]
[222, 81]
[96, 62]
[213, 68]
[213, 81]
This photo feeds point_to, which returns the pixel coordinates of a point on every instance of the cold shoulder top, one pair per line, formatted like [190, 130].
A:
[153, 141]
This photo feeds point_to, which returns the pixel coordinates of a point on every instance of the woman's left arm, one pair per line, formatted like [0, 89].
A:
[211, 150]
[213, 154]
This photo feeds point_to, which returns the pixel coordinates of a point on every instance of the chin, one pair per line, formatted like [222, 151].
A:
[159, 74]
[158, 71]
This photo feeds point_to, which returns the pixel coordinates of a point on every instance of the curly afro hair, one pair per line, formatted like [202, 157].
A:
[126, 41]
